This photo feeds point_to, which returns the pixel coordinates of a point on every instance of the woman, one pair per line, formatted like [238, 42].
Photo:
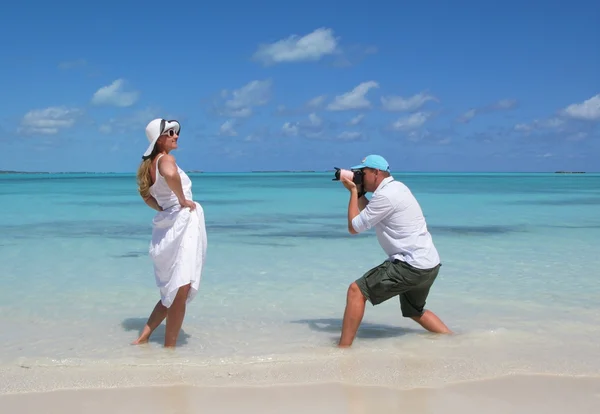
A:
[178, 246]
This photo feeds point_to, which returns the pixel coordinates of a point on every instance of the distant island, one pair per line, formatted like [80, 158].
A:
[569, 172]
[21, 172]
[283, 171]
[56, 173]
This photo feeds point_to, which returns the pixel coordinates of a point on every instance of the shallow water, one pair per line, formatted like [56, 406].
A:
[518, 282]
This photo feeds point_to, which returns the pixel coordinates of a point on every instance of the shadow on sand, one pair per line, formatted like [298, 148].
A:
[366, 330]
[158, 336]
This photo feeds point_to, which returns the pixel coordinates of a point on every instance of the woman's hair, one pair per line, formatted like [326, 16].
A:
[144, 178]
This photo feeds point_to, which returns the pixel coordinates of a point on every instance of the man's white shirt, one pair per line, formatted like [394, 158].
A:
[400, 225]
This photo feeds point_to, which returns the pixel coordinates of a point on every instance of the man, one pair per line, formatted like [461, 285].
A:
[413, 262]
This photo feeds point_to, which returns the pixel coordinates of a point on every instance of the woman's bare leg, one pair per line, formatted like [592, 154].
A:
[175, 315]
[156, 317]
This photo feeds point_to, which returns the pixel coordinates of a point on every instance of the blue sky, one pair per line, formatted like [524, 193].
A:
[432, 86]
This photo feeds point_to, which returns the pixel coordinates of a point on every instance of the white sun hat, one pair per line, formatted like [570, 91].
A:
[156, 128]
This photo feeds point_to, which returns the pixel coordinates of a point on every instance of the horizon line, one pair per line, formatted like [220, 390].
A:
[309, 171]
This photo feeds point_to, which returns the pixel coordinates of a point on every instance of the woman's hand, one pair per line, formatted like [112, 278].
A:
[188, 203]
[151, 201]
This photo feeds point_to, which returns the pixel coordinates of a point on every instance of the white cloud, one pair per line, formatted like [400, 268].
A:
[294, 48]
[505, 104]
[290, 129]
[556, 128]
[400, 104]
[355, 99]
[314, 120]
[316, 102]
[357, 119]
[564, 124]
[350, 136]
[313, 127]
[242, 100]
[588, 110]
[240, 113]
[309, 106]
[351, 55]
[114, 94]
[314, 134]
[135, 121]
[105, 128]
[536, 125]
[228, 129]
[444, 141]
[523, 127]
[432, 137]
[578, 136]
[48, 121]
[409, 122]
[501, 105]
[467, 116]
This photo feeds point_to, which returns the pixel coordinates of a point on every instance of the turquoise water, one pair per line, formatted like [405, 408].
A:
[519, 281]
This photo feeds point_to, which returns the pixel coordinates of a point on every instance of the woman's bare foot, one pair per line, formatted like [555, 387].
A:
[158, 314]
[140, 341]
[143, 339]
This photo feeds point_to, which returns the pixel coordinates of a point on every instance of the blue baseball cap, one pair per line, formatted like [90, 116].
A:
[376, 162]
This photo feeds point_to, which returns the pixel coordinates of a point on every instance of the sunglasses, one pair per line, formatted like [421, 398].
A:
[170, 133]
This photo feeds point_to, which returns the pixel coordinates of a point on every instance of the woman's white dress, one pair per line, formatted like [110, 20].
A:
[179, 241]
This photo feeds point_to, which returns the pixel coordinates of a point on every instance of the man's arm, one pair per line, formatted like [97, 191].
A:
[376, 209]
[353, 209]
[362, 202]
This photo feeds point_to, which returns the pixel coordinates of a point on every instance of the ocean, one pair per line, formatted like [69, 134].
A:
[518, 283]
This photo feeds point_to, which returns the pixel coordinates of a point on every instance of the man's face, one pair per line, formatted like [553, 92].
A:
[370, 178]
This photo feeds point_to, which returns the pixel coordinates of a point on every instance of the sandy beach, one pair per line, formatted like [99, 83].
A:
[512, 394]
[349, 382]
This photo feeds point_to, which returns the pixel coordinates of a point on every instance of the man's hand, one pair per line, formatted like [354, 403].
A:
[349, 184]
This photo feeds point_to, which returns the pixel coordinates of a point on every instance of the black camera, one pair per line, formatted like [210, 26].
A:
[356, 176]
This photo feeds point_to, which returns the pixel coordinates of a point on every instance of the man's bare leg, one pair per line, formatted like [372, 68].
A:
[431, 322]
[355, 310]
[175, 315]
[156, 317]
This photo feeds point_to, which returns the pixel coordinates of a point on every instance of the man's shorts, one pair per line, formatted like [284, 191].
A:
[392, 278]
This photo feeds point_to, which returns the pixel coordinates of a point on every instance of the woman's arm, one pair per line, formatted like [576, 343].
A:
[151, 201]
